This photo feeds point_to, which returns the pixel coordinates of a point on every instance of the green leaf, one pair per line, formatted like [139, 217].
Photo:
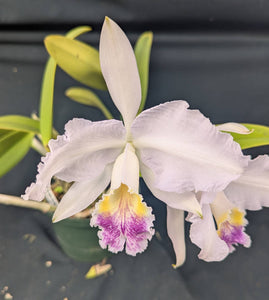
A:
[19, 123]
[47, 90]
[5, 133]
[77, 31]
[46, 101]
[77, 59]
[87, 97]
[142, 53]
[259, 137]
[13, 147]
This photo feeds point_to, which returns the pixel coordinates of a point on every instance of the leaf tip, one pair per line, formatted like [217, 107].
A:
[50, 40]
[67, 92]
[86, 28]
[148, 34]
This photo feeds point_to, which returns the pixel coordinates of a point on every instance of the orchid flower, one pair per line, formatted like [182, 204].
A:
[250, 191]
[177, 150]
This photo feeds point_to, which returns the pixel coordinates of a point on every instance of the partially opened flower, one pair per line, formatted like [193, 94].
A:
[177, 150]
[249, 191]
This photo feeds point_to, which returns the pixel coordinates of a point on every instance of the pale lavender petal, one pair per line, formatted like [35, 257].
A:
[120, 71]
[203, 234]
[185, 201]
[184, 150]
[123, 218]
[206, 198]
[81, 195]
[80, 154]
[251, 190]
[175, 230]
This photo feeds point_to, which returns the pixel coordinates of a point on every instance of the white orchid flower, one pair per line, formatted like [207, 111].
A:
[250, 191]
[176, 149]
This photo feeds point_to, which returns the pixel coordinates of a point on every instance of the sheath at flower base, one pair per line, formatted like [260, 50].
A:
[250, 191]
[178, 151]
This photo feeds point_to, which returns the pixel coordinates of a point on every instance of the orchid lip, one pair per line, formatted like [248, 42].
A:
[231, 227]
[123, 219]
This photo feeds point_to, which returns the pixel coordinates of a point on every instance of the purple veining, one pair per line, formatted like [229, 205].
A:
[233, 235]
[135, 231]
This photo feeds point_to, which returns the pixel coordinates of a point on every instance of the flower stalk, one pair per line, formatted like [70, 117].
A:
[17, 201]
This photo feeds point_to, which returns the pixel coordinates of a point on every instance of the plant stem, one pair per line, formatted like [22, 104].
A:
[17, 201]
[105, 111]
[50, 197]
[38, 147]
[55, 133]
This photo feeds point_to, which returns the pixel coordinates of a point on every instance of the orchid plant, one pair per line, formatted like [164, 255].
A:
[186, 161]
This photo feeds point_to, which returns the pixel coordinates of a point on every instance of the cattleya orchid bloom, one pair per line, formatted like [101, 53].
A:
[177, 150]
[250, 191]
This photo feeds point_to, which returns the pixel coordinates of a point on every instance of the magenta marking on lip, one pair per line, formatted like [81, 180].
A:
[135, 231]
[232, 234]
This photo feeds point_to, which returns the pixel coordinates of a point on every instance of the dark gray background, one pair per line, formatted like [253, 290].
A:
[215, 55]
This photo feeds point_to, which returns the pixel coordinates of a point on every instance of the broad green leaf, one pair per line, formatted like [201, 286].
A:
[47, 90]
[6, 133]
[77, 59]
[259, 137]
[87, 97]
[19, 123]
[142, 53]
[13, 147]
